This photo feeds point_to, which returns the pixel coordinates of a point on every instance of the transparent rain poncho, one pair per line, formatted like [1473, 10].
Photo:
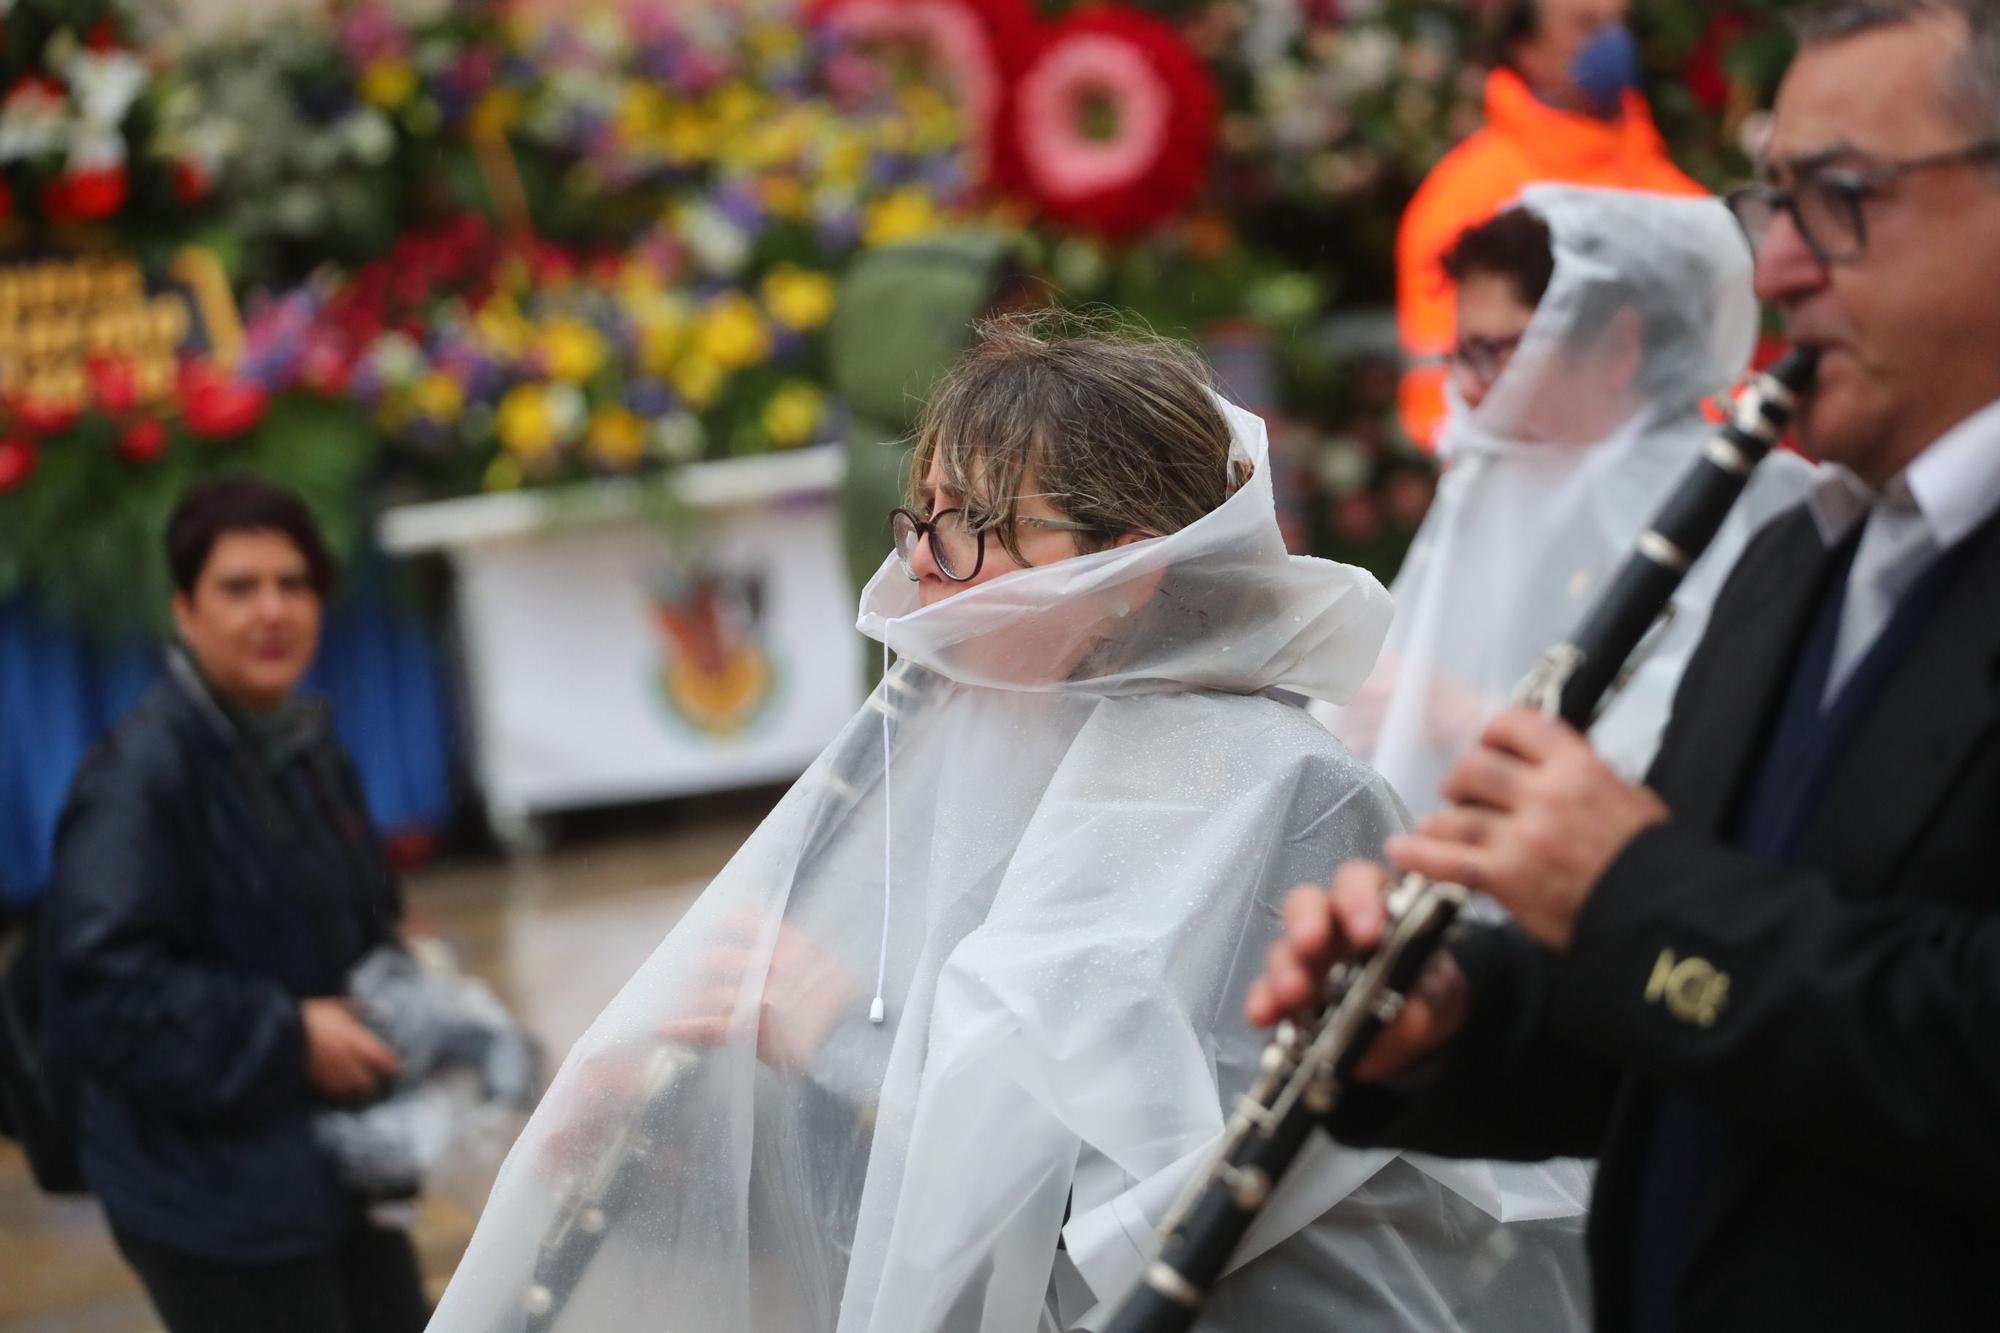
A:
[1047, 856]
[1534, 514]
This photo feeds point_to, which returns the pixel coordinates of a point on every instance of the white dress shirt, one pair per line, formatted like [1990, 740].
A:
[1936, 502]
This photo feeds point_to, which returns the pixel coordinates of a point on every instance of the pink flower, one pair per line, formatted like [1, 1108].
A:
[1112, 121]
[1092, 75]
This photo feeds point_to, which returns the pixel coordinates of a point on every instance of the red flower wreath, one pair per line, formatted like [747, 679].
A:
[979, 44]
[1112, 121]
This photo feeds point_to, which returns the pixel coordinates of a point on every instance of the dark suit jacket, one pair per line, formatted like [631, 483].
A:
[1842, 1015]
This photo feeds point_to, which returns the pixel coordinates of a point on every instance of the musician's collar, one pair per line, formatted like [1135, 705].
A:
[1955, 484]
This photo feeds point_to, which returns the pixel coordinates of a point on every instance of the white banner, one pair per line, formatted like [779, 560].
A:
[605, 668]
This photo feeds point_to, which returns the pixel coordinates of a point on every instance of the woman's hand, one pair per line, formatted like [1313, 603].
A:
[803, 994]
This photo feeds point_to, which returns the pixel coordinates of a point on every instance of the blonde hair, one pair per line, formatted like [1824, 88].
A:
[1114, 427]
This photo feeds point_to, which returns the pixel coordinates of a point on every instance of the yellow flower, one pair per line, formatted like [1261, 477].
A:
[503, 474]
[904, 215]
[388, 82]
[797, 297]
[782, 196]
[732, 333]
[698, 381]
[495, 113]
[846, 160]
[688, 136]
[527, 427]
[662, 327]
[573, 350]
[637, 279]
[617, 438]
[738, 105]
[773, 41]
[500, 329]
[440, 397]
[793, 413]
[932, 119]
[639, 113]
[776, 142]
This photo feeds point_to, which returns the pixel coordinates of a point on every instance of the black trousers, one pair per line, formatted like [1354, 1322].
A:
[369, 1284]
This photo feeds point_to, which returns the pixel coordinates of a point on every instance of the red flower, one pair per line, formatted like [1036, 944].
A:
[143, 441]
[39, 87]
[191, 183]
[1112, 122]
[44, 416]
[114, 386]
[217, 406]
[103, 35]
[1706, 71]
[6, 201]
[90, 195]
[17, 464]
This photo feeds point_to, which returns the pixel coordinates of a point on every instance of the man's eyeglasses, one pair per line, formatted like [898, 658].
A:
[1484, 358]
[957, 548]
[1826, 204]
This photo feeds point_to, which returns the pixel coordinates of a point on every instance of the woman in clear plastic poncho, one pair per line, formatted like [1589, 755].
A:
[1555, 464]
[940, 1045]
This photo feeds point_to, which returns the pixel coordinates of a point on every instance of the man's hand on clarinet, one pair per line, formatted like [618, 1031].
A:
[1323, 926]
[1536, 818]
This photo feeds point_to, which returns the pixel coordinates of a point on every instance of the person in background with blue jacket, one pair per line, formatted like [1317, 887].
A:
[215, 881]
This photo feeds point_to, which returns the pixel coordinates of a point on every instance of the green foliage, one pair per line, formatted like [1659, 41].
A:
[84, 534]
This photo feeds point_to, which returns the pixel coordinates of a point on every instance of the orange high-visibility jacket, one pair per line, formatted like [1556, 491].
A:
[1524, 140]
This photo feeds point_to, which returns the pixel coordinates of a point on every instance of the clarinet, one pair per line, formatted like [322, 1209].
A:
[1305, 1068]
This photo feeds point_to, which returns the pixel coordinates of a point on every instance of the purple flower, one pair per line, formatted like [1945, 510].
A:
[736, 202]
[427, 435]
[650, 398]
[838, 230]
[888, 170]
[788, 346]
[944, 177]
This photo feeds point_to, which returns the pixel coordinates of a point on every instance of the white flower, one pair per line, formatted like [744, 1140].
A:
[397, 358]
[1344, 467]
[33, 121]
[678, 436]
[568, 409]
[104, 84]
[94, 147]
[370, 135]
[1368, 59]
[717, 244]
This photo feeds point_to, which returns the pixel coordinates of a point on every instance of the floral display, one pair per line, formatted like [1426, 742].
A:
[89, 133]
[495, 364]
[477, 251]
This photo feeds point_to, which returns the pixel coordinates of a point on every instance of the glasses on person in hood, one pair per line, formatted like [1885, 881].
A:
[957, 548]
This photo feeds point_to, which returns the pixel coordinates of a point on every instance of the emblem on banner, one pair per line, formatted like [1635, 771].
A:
[718, 676]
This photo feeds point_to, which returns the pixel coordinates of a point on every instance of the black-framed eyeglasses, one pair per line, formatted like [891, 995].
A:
[957, 548]
[1484, 358]
[1826, 205]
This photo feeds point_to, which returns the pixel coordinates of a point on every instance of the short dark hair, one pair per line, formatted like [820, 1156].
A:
[1513, 22]
[1515, 245]
[1973, 92]
[243, 504]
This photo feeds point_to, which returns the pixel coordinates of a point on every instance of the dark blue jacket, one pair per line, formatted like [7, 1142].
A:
[204, 884]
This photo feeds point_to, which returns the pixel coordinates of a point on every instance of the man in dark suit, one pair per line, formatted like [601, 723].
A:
[1765, 988]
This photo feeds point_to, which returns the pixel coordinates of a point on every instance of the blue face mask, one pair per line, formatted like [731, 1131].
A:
[1606, 67]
